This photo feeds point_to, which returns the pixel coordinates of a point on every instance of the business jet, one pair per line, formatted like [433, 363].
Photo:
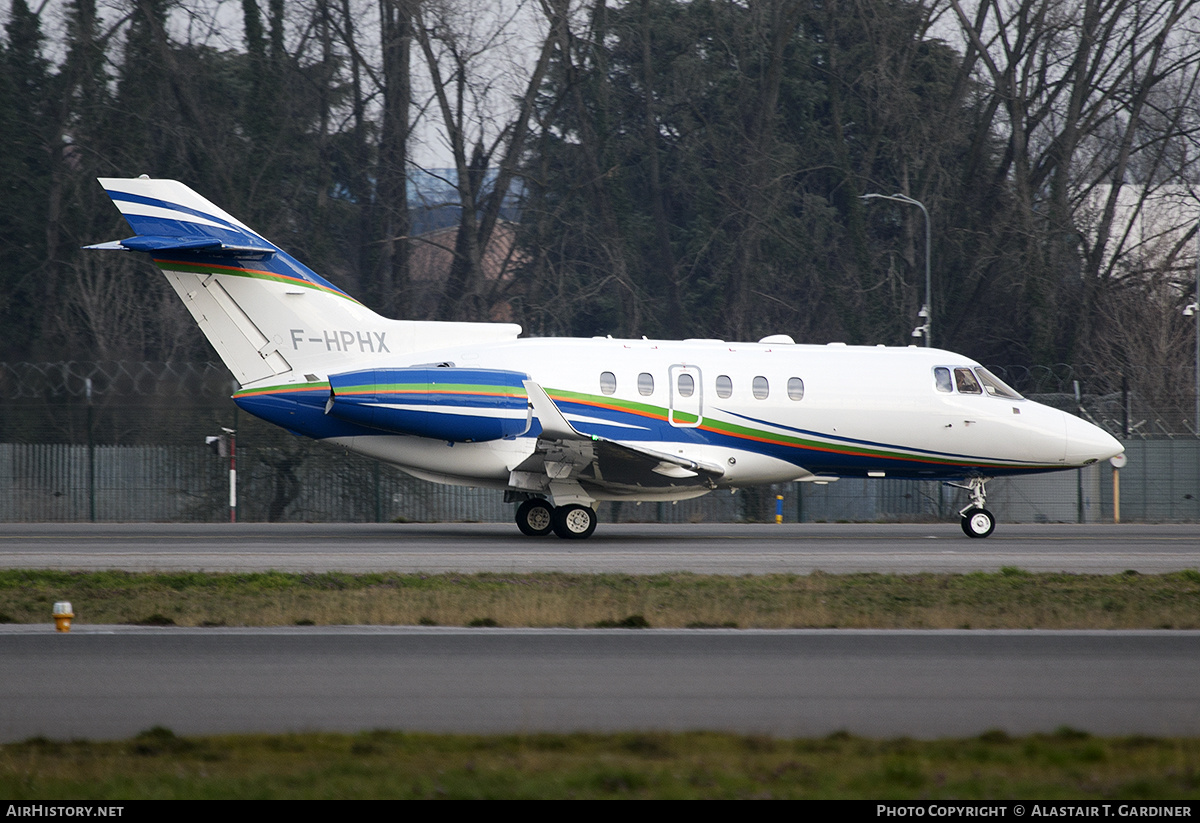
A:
[560, 424]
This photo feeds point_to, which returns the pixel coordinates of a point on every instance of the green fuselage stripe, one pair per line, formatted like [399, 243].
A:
[657, 413]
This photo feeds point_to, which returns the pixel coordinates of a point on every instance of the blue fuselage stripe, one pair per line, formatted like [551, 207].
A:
[304, 412]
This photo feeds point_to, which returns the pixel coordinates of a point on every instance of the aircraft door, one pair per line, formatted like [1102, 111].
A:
[685, 407]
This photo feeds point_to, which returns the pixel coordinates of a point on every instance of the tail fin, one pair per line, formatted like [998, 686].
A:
[269, 317]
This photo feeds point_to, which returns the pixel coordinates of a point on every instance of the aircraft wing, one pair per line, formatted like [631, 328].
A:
[564, 454]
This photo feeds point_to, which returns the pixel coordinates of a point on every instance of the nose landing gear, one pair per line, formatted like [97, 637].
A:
[976, 521]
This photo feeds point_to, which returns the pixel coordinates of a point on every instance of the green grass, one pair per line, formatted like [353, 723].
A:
[1011, 598]
[158, 764]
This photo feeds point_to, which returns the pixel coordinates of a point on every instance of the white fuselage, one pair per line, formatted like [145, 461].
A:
[863, 411]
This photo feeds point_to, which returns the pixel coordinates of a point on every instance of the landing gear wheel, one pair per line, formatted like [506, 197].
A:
[574, 522]
[535, 517]
[978, 522]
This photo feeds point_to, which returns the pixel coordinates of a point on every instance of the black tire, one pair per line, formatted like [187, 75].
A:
[535, 517]
[574, 522]
[978, 523]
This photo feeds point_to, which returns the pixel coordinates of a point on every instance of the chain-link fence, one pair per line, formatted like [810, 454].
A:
[133, 449]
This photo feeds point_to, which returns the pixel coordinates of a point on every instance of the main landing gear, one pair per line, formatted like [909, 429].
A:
[975, 519]
[536, 517]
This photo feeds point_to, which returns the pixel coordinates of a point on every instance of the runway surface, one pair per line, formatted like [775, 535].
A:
[624, 548]
[112, 682]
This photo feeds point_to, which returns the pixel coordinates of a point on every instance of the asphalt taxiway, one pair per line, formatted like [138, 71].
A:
[112, 682]
[623, 548]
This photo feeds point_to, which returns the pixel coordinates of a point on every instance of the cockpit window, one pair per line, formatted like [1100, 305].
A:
[994, 386]
[941, 376]
[965, 382]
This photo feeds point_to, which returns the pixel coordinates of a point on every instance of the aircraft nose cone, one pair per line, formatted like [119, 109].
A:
[1087, 443]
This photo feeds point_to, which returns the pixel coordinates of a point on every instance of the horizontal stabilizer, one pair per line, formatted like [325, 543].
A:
[208, 245]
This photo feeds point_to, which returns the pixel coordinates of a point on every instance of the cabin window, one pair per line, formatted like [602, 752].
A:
[685, 385]
[795, 388]
[760, 387]
[996, 387]
[965, 382]
[724, 386]
[941, 376]
[645, 384]
[608, 382]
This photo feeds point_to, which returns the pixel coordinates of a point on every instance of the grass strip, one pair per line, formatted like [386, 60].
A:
[160, 765]
[1009, 599]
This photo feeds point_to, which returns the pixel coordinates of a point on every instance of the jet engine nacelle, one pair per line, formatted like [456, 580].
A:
[444, 403]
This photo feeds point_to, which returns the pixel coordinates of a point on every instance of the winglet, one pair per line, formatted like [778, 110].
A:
[554, 424]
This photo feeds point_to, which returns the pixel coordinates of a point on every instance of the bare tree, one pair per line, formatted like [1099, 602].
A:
[460, 44]
[1081, 95]
[396, 32]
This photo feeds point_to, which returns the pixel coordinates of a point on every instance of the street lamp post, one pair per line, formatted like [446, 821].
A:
[926, 313]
